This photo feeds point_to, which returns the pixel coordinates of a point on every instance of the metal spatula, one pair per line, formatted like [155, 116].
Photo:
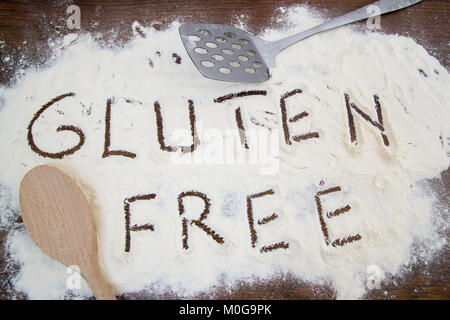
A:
[227, 53]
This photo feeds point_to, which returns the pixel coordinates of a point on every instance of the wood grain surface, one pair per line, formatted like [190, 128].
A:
[27, 26]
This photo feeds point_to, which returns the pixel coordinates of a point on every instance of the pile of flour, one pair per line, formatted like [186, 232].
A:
[336, 78]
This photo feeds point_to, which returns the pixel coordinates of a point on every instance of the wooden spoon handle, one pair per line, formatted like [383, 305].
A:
[101, 288]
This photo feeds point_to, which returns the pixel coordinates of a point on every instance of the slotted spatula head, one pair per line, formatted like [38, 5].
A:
[224, 53]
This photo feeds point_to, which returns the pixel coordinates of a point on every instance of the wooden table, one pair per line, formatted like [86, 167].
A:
[26, 27]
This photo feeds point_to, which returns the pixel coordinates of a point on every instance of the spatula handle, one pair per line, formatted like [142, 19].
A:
[383, 6]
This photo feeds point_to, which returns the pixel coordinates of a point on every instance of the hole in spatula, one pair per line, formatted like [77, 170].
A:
[193, 38]
[229, 34]
[211, 45]
[225, 70]
[205, 33]
[200, 50]
[217, 57]
[207, 63]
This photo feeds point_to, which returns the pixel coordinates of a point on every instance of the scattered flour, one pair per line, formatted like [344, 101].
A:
[338, 73]
[69, 39]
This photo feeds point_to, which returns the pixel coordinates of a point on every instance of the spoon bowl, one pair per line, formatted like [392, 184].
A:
[57, 216]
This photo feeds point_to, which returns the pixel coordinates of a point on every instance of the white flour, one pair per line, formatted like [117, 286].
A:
[385, 206]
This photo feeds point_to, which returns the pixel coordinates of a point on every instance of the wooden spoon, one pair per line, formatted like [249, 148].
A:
[57, 216]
